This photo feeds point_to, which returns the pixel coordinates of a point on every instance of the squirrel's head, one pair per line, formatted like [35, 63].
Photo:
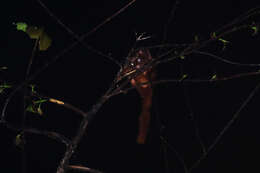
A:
[136, 60]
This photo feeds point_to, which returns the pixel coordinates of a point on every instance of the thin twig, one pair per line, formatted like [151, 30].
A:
[197, 46]
[120, 90]
[23, 123]
[240, 18]
[53, 135]
[83, 169]
[8, 100]
[62, 103]
[78, 38]
[176, 153]
[81, 131]
[67, 105]
[32, 57]
[108, 19]
[166, 25]
[45, 66]
[191, 114]
[225, 59]
[227, 126]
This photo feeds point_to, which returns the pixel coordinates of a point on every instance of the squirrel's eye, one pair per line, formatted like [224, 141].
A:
[132, 64]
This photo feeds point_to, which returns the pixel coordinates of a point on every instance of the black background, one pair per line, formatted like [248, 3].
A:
[80, 77]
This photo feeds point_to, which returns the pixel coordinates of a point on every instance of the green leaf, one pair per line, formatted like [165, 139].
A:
[40, 101]
[182, 57]
[45, 42]
[213, 35]
[30, 108]
[35, 107]
[38, 33]
[196, 38]
[3, 87]
[214, 77]
[183, 77]
[33, 88]
[21, 26]
[1, 90]
[225, 42]
[255, 29]
[19, 140]
[35, 32]
[39, 110]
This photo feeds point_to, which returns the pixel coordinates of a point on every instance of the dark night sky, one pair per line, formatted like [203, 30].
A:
[80, 77]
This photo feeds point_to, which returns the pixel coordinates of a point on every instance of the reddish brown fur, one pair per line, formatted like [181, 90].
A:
[143, 85]
[146, 94]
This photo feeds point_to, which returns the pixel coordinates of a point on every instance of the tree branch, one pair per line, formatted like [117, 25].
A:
[83, 169]
[53, 135]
